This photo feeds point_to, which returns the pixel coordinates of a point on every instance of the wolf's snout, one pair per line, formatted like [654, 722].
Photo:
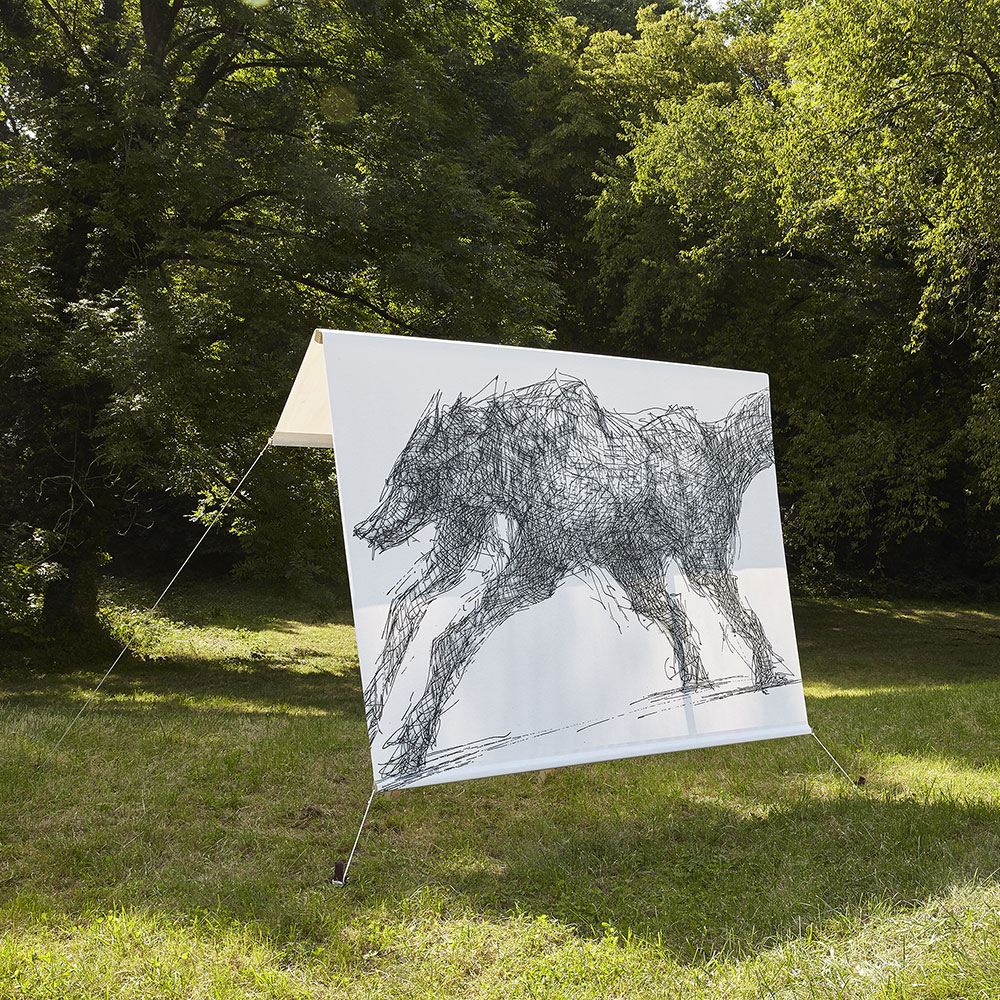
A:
[367, 531]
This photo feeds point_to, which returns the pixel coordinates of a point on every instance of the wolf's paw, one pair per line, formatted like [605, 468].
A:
[697, 680]
[408, 753]
[772, 678]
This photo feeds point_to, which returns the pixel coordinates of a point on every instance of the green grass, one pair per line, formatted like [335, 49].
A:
[181, 842]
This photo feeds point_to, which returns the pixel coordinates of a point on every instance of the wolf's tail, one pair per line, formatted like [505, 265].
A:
[746, 437]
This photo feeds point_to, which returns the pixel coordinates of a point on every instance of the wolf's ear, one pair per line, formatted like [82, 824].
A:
[430, 419]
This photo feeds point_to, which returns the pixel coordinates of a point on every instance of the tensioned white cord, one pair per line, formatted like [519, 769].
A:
[128, 645]
[834, 759]
[347, 867]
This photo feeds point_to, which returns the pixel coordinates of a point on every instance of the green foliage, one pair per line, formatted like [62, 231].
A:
[187, 190]
[28, 557]
[813, 205]
[583, 94]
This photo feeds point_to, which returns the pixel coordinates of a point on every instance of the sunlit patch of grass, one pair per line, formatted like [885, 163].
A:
[929, 775]
[234, 627]
[946, 947]
[181, 841]
[820, 689]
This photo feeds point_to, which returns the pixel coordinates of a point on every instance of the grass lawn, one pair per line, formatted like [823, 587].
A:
[181, 841]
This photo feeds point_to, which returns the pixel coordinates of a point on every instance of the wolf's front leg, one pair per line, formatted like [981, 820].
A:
[453, 553]
[522, 581]
[451, 653]
[406, 612]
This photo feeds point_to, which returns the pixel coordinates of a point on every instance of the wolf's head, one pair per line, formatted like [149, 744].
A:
[410, 499]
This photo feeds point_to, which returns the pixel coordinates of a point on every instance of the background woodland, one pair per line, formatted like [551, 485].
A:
[189, 187]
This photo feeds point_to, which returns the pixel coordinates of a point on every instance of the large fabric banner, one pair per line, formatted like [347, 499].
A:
[556, 558]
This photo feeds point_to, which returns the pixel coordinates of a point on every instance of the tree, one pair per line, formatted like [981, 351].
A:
[896, 129]
[803, 220]
[584, 91]
[189, 186]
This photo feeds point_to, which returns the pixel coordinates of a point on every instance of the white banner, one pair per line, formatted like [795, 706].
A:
[557, 558]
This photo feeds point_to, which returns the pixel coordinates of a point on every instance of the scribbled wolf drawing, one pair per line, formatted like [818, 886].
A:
[581, 488]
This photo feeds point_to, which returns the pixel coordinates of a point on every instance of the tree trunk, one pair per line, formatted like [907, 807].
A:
[70, 606]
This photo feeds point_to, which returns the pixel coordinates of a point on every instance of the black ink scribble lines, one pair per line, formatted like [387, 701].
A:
[581, 490]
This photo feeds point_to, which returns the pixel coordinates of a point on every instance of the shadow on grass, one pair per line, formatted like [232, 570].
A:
[694, 877]
[237, 605]
[725, 849]
[230, 686]
[700, 880]
[866, 644]
[955, 723]
[718, 850]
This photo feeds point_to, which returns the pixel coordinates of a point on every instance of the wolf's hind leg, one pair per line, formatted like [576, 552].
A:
[720, 588]
[650, 598]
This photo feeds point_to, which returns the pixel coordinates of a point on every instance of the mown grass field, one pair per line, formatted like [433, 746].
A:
[181, 842]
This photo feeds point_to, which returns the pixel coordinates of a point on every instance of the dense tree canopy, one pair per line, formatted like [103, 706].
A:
[188, 186]
[807, 192]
